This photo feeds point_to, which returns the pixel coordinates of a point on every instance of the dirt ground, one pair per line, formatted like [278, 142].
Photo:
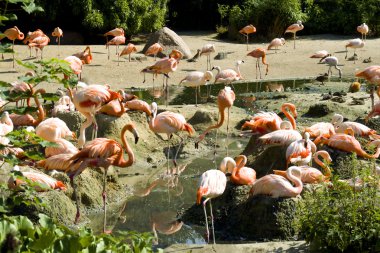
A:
[286, 63]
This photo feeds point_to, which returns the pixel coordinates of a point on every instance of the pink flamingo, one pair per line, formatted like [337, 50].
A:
[226, 98]
[276, 42]
[240, 175]
[294, 28]
[118, 40]
[22, 87]
[75, 64]
[375, 112]
[85, 56]
[207, 50]
[211, 185]
[39, 43]
[52, 129]
[355, 43]
[115, 33]
[246, 31]
[12, 34]
[30, 37]
[363, 29]
[259, 53]
[6, 124]
[372, 75]
[320, 54]
[332, 61]
[277, 186]
[227, 76]
[196, 79]
[310, 175]
[358, 128]
[283, 137]
[57, 33]
[88, 101]
[128, 50]
[154, 50]
[169, 123]
[299, 152]
[320, 129]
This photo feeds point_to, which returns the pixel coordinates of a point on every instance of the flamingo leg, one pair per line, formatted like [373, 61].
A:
[256, 68]
[228, 122]
[129, 59]
[167, 158]
[294, 39]
[118, 59]
[95, 129]
[59, 43]
[108, 50]
[75, 195]
[104, 195]
[205, 212]
[247, 40]
[196, 96]
[212, 222]
[30, 52]
[258, 65]
[179, 147]
[13, 54]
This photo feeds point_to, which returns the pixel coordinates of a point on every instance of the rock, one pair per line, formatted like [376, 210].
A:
[326, 96]
[318, 110]
[338, 99]
[201, 117]
[169, 40]
[340, 93]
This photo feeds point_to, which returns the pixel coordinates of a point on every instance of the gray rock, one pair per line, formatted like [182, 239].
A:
[221, 56]
[318, 110]
[169, 40]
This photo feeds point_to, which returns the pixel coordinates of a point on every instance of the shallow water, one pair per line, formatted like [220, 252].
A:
[170, 195]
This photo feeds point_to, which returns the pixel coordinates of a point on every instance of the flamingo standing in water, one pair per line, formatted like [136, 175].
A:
[57, 33]
[363, 29]
[154, 50]
[226, 98]
[88, 101]
[169, 123]
[196, 79]
[211, 185]
[227, 76]
[240, 175]
[259, 53]
[277, 186]
[128, 50]
[332, 61]
[372, 75]
[294, 28]
[246, 31]
[13, 34]
[100, 152]
[266, 122]
[207, 50]
[276, 42]
[355, 43]
[310, 175]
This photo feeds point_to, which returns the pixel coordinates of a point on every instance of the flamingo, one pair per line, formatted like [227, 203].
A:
[169, 123]
[299, 152]
[196, 79]
[247, 30]
[13, 34]
[64, 104]
[240, 175]
[207, 50]
[375, 112]
[320, 129]
[27, 119]
[363, 29]
[22, 87]
[294, 28]
[118, 40]
[115, 33]
[6, 124]
[166, 223]
[154, 50]
[320, 54]
[100, 152]
[212, 184]
[283, 137]
[372, 75]
[332, 61]
[57, 33]
[277, 186]
[114, 107]
[276, 42]
[30, 37]
[358, 128]
[39, 43]
[310, 175]
[348, 143]
[44, 181]
[85, 56]
[355, 43]
[266, 122]
[259, 53]
[226, 98]
[128, 50]
[88, 101]
[139, 105]
[227, 76]
[75, 64]
[52, 129]
[62, 147]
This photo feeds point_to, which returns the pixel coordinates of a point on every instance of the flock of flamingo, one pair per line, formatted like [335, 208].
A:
[103, 152]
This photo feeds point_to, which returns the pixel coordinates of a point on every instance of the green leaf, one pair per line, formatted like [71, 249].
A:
[31, 7]
[35, 155]
[50, 96]
[6, 48]
[5, 84]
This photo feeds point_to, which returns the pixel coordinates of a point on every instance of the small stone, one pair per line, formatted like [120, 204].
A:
[318, 110]
[338, 99]
[221, 56]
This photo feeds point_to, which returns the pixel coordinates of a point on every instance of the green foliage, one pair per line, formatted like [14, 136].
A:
[337, 217]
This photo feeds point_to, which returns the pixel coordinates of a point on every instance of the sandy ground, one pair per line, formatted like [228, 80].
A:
[287, 63]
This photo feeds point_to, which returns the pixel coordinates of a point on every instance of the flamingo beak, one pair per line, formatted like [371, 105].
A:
[136, 135]
[74, 136]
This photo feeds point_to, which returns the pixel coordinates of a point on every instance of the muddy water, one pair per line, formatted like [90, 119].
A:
[158, 202]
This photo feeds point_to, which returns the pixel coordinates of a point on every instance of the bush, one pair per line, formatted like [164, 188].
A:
[337, 218]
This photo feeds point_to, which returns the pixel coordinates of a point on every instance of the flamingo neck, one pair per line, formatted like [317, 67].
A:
[289, 116]
[265, 63]
[121, 162]
[218, 125]
[322, 165]
[297, 182]
[226, 164]
[41, 112]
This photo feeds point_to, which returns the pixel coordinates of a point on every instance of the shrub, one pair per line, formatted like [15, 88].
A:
[337, 218]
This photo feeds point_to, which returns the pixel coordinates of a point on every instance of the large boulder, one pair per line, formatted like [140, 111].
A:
[169, 40]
